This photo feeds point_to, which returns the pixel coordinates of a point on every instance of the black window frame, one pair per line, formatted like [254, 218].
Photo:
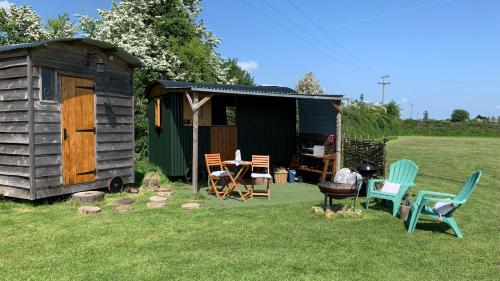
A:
[55, 96]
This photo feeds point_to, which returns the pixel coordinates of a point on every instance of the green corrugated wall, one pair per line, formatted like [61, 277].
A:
[266, 125]
[171, 147]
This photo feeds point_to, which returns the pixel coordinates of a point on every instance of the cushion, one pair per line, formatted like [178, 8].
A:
[442, 208]
[390, 187]
[261, 175]
[218, 173]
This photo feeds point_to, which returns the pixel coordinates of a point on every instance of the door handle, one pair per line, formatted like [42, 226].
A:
[65, 134]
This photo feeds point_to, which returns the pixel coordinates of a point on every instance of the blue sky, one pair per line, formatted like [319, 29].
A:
[440, 55]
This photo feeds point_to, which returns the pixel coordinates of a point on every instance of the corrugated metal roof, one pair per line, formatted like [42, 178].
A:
[119, 52]
[239, 89]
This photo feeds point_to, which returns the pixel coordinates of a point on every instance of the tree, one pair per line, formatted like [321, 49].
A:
[238, 75]
[60, 27]
[460, 115]
[309, 85]
[393, 109]
[20, 25]
[165, 35]
[426, 115]
[171, 43]
[362, 98]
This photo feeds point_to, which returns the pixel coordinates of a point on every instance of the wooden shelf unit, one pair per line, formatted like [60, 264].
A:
[329, 166]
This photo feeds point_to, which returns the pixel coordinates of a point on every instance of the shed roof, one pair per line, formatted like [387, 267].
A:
[237, 90]
[119, 52]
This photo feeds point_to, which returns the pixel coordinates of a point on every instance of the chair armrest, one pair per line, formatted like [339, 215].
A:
[423, 193]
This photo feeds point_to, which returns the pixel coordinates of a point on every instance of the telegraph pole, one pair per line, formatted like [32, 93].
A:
[411, 110]
[383, 83]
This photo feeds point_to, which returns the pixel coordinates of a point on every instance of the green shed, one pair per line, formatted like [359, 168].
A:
[208, 118]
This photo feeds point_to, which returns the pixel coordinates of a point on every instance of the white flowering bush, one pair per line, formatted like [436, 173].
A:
[166, 35]
[309, 85]
[19, 25]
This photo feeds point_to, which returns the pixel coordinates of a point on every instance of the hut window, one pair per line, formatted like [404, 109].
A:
[224, 111]
[157, 113]
[48, 89]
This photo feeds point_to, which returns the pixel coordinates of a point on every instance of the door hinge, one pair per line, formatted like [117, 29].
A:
[86, 173]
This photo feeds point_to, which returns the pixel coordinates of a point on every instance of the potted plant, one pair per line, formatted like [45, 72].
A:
[405, 207]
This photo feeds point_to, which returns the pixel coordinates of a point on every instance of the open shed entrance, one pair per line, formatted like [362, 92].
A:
[78, 134]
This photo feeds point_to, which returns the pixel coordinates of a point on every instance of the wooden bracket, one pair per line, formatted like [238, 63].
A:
[196, 106]
[337, 107]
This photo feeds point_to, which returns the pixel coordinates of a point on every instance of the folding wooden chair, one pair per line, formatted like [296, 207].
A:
[260, 162]
[218, 173]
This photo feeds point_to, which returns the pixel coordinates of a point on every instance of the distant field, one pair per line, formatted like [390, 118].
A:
[279, 241]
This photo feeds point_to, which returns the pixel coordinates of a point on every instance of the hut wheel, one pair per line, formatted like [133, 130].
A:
[202, 175]
[115, 185]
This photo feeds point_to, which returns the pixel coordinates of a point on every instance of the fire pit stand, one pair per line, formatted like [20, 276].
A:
[338, 191]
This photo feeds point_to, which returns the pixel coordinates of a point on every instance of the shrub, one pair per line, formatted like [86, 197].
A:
[459, 115]
[144, 170]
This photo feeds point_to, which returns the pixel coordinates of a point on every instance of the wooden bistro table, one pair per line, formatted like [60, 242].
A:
[243, 166]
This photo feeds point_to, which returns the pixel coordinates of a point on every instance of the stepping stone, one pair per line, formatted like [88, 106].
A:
[191, 206]
[157, 199]
[154, 187]
[133, 190]
[88, 210]
[155, 205]
[121, 208]
[164, 189]
[125, 201]
[88, 196]
[166, 194]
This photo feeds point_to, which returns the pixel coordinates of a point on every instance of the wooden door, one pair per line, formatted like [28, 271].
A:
[223, 140]
[78, 134]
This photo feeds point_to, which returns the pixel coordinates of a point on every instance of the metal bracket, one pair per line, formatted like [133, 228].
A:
[86, 173]
[86, 130]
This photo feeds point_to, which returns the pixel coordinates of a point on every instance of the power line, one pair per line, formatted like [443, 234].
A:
[383, 83]
[290, 20]
[327, 34]
[287, 29]
[291, 31]
[391, 13]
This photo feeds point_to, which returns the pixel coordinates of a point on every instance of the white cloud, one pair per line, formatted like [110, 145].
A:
[5, 4]
[248, 65]
[404, 100]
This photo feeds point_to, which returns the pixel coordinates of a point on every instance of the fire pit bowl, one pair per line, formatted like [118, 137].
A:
[337, 190]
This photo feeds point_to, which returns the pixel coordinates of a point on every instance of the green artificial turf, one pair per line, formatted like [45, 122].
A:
[266, 240]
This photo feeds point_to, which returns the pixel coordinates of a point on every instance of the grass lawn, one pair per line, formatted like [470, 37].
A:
[272, 240]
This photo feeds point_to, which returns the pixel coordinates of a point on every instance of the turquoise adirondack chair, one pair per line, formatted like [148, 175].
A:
[419, 207]
[402, 172]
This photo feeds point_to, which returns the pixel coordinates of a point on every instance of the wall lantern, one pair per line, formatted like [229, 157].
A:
[99, 65]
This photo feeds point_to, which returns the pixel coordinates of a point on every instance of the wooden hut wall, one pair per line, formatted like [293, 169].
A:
[171, 146]
[14, 126]
[113, 118]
